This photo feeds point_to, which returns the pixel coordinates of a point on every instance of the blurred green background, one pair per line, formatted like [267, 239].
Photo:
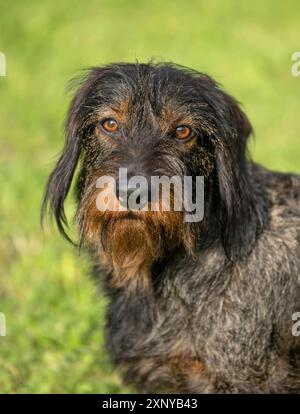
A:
[55, 314]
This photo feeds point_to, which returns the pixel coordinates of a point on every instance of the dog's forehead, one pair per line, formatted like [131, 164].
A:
[163, 92]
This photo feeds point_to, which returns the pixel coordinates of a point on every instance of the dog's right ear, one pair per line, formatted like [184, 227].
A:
[61, 177]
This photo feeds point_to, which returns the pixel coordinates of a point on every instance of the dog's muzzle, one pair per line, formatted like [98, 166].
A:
[125, 191]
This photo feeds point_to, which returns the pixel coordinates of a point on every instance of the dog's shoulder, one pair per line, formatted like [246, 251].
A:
[282, 231]
[282, 188]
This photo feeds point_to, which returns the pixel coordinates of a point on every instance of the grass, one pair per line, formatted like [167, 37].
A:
[54, 312]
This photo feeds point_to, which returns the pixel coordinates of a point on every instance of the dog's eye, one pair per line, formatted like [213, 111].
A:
[110, 125]
[182, 132]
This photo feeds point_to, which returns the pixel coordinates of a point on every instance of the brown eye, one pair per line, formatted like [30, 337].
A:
[110, 125]
[182, 132]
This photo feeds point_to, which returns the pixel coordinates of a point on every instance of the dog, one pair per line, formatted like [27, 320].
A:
[195, 307]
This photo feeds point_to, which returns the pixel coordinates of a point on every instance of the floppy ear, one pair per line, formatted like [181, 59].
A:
[86, 97]
[60, 179]
[242, 215]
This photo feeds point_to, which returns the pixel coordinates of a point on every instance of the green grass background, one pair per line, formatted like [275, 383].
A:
[55, 314]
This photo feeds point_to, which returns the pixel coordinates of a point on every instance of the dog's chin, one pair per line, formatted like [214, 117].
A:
[136, 239]
[129, 242]
[131, 246]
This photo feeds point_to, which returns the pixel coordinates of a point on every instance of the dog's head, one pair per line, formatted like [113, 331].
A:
[156, 120]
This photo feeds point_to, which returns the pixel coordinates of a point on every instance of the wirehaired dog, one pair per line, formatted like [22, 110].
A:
[195, 307]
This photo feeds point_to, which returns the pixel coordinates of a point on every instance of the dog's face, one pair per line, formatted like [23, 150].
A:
[154, 120]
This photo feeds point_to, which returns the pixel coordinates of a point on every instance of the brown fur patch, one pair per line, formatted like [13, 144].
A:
[182, 365]
[128, 242]
[176, 374]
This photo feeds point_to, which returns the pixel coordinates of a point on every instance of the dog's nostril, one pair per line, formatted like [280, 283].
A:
[122, 192]
[128, 198]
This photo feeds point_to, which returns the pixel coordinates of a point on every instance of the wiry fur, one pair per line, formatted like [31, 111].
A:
[194, 307]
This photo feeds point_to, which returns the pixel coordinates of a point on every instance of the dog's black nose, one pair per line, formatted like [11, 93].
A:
[125, 190]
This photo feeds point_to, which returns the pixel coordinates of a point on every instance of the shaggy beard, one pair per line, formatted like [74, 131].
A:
[127, 243]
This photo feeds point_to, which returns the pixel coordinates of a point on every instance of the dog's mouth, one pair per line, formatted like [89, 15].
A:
[129, 215]
[94, 222]
[129, 237]
[129, 241]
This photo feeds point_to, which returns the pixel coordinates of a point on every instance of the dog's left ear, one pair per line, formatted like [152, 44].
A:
[242, 215]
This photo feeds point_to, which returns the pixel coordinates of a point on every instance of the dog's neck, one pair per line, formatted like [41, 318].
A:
[131, 273]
